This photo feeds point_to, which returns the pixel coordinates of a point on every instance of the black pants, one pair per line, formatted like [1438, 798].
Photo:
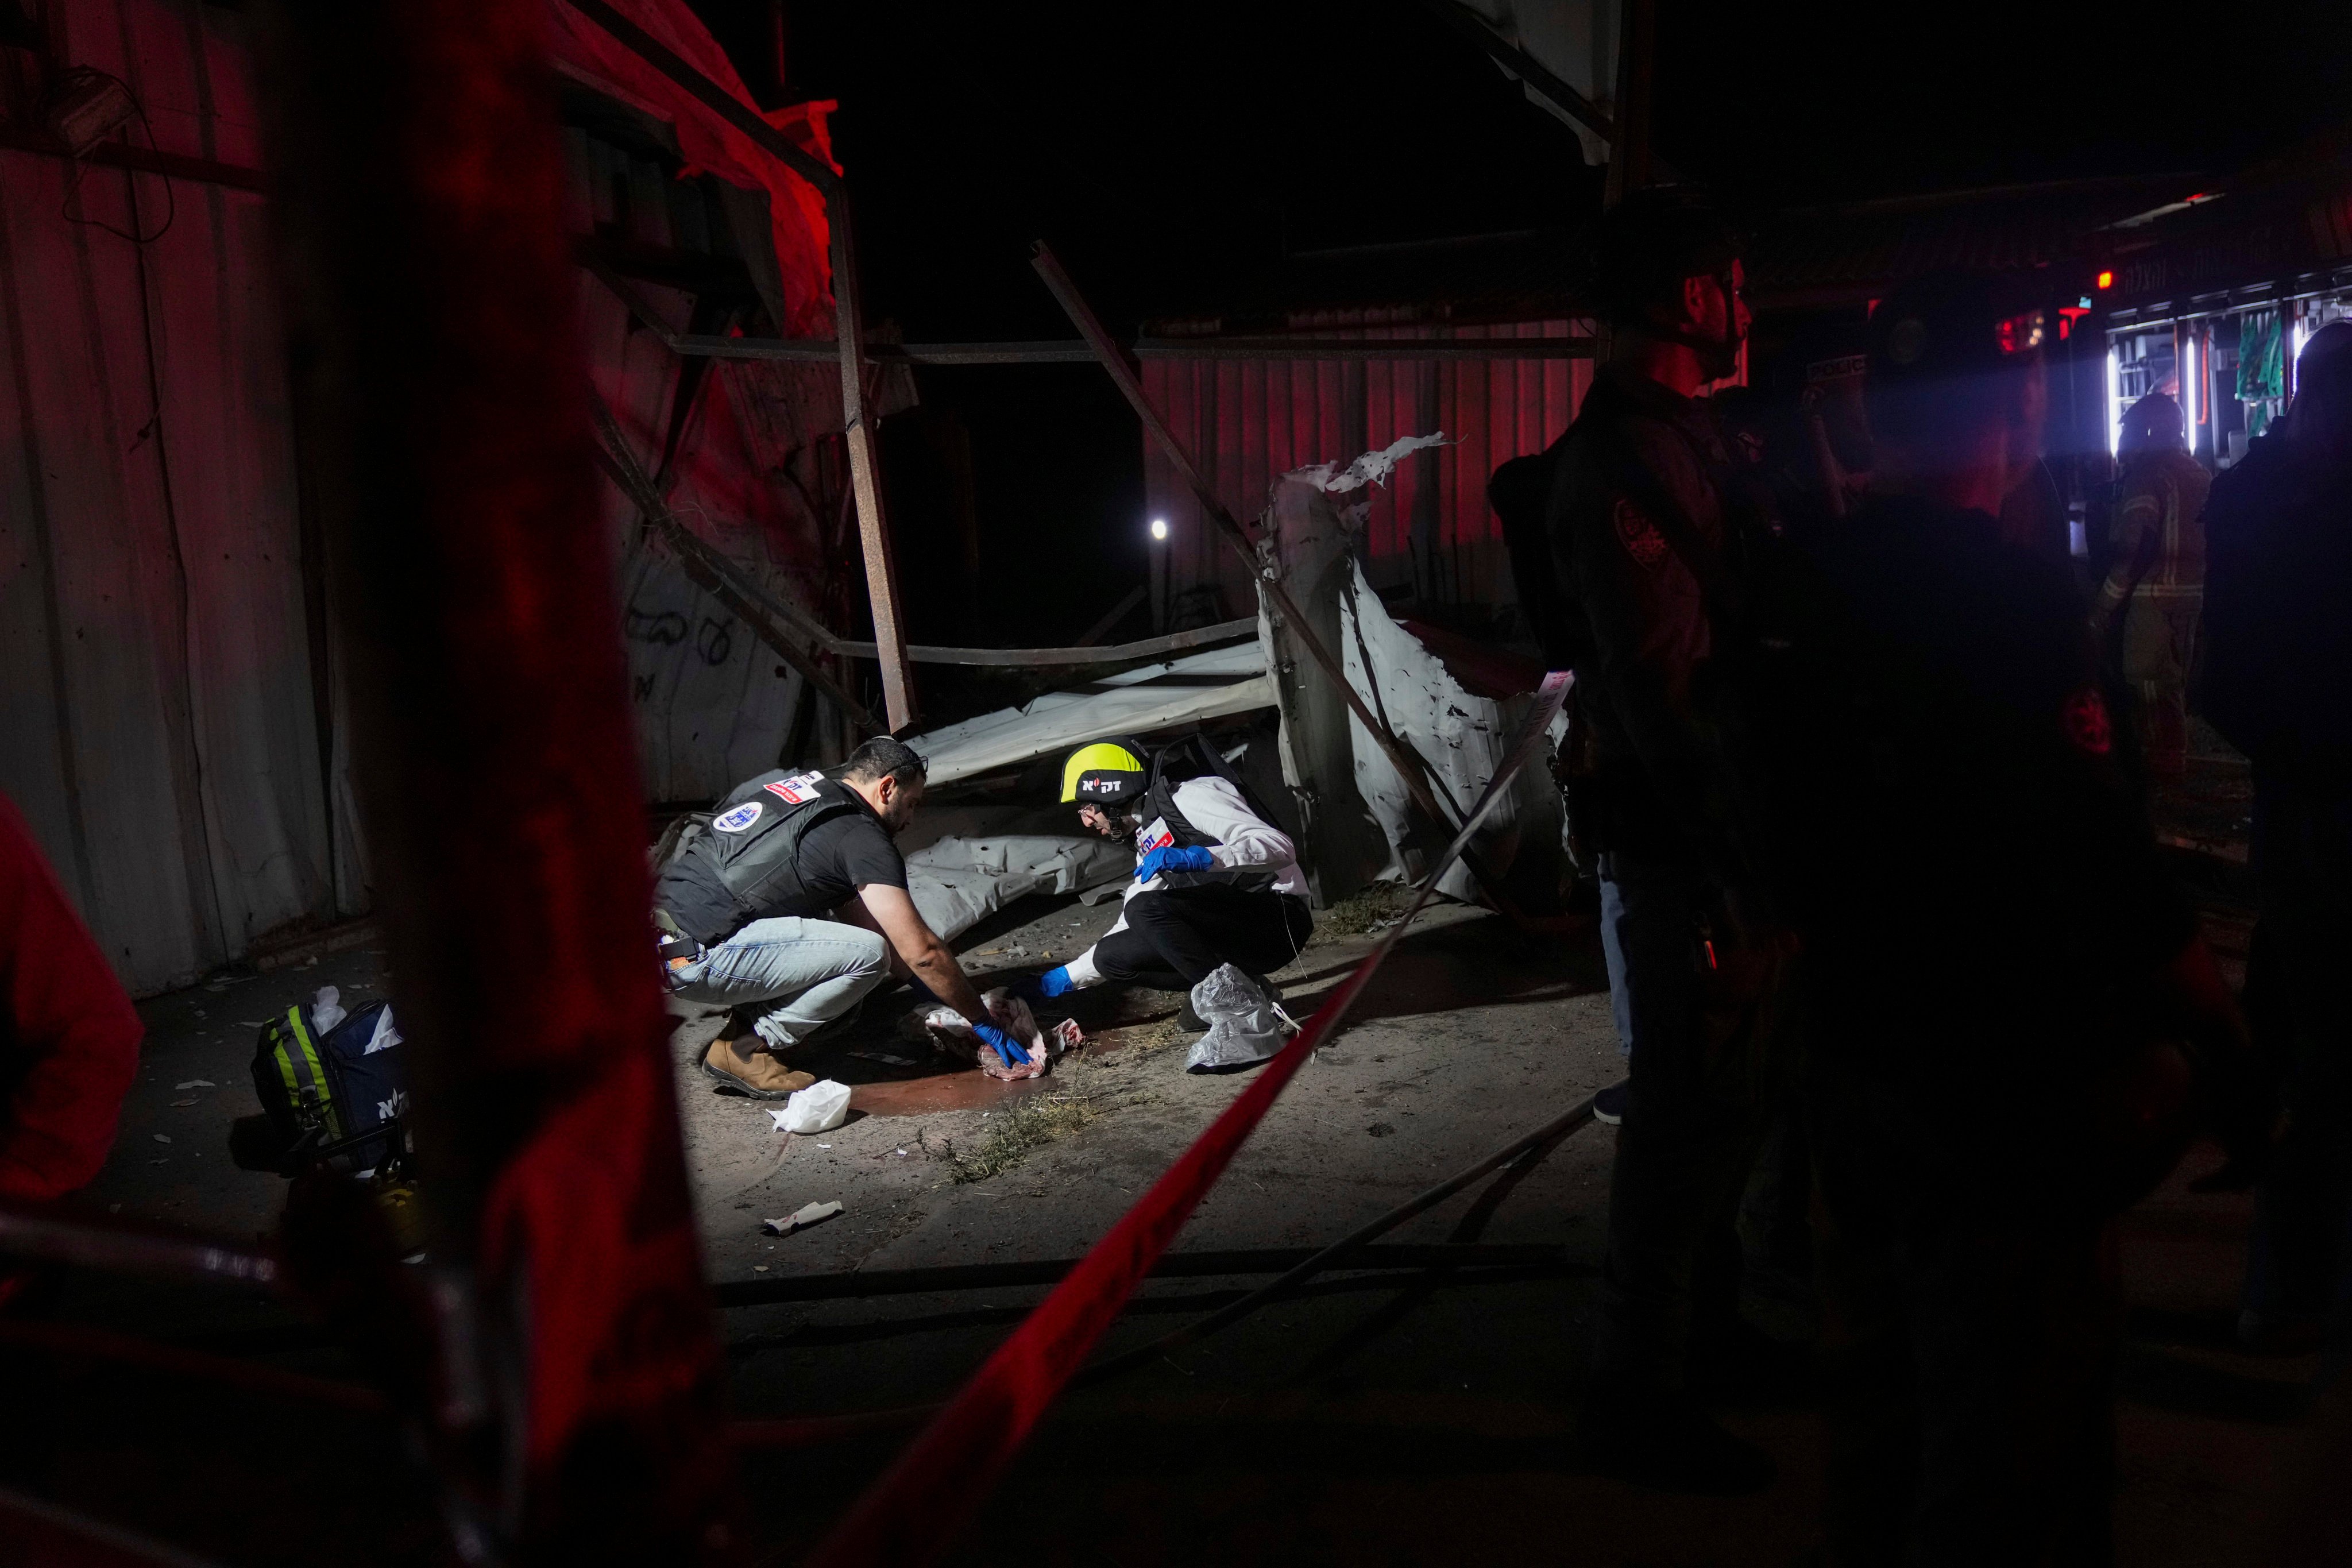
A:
[1968, 1335]
[1703, 1073]
[1176, 937]
[2300, 1263]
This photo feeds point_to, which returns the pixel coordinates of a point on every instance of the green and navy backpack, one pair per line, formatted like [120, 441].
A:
[337, 1094]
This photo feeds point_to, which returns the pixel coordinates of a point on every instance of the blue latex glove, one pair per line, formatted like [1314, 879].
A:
[1168, 857]
[1012, 1050]
[1055, 982]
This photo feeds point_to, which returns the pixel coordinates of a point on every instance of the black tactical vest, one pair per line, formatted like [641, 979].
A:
[1160, 800]
[750, 843]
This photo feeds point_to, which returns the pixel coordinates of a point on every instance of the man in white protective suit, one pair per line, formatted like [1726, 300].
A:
[1214, 882]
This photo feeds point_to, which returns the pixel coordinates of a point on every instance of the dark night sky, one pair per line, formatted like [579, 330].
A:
[1166, 152]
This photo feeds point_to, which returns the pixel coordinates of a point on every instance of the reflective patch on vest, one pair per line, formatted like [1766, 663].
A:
[1639, 535]
[800, 789]
[2084, 717]
[737, 820]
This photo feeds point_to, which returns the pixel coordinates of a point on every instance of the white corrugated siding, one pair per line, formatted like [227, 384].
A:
[154, 638]
[1249, 422]
[156, 694]
[711, 708]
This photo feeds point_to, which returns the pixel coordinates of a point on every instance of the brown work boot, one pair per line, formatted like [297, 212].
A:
[752, 1072]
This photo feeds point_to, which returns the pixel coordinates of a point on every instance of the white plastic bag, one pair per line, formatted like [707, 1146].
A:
[820, 1108]
[1244, 1028]
[327, 1009]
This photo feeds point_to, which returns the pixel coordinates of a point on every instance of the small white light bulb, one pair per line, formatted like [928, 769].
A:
[1158, 528]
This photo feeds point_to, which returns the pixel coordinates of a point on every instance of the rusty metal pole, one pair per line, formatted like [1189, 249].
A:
[1637, 47]
[849, 342]
[576, 1411]
[865, 474]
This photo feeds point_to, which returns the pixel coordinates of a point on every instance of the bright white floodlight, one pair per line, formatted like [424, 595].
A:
[1158, 528]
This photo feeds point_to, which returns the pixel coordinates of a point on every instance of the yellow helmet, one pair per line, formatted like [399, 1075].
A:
[1106, 774]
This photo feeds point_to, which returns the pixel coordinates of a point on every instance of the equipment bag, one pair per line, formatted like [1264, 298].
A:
[337, 1093]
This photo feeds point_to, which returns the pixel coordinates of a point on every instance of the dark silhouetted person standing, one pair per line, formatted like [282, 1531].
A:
[2278, 686]
[2007, 1002]
[1647, 538]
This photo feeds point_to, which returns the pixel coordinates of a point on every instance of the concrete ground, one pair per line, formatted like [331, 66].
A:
[1373, 1418]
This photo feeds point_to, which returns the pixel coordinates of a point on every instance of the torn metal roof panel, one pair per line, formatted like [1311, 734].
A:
[1185, 690]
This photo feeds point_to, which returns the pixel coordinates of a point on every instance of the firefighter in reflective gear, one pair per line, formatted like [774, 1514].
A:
[2156, 583]
[1214, 882]
[788, 905]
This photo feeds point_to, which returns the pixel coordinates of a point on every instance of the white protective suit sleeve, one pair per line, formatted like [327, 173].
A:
[1216, 808]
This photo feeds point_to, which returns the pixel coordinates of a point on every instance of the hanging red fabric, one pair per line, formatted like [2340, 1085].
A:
[796, 212]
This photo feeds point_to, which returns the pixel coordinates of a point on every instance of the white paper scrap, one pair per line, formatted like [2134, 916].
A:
[197, 1083]
[801, 1218]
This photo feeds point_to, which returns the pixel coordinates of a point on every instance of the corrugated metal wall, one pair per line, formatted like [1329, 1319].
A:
[159, 629]
[155, 642]
[753, 475]
[1248, 422]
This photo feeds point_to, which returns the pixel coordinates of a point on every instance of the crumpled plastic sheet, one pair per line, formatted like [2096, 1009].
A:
[954, 1037]
[959, 881]
[1372, 469]
[1244, 1028]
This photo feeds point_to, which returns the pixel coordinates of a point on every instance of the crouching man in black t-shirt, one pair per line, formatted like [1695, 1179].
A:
[793, 905]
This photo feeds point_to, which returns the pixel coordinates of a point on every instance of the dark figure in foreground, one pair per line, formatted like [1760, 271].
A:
[2278, 685]
[1981, 905]
[1214, 882]
[790, 906]
[69, 1038]
[1647, 536]
[2155, 587]
[69, 1052]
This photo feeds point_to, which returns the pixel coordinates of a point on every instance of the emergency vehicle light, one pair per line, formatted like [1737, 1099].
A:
[2115, 404]
[2189, 387]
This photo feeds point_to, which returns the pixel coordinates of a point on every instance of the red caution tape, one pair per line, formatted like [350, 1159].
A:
[909, 1515]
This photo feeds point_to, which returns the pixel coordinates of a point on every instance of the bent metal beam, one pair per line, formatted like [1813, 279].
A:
[848, 346]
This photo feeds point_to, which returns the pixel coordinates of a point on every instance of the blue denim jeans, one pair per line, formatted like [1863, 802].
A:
[813, 971]
[1612, 954]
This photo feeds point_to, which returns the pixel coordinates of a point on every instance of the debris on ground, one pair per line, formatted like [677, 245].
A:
[960, 881]
[1374, 909]
[800, 1218]
[1011, 1136]
[820, 1108]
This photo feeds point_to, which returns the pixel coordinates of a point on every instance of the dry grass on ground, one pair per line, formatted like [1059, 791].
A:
[1013, 1134]
[1380, 905]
